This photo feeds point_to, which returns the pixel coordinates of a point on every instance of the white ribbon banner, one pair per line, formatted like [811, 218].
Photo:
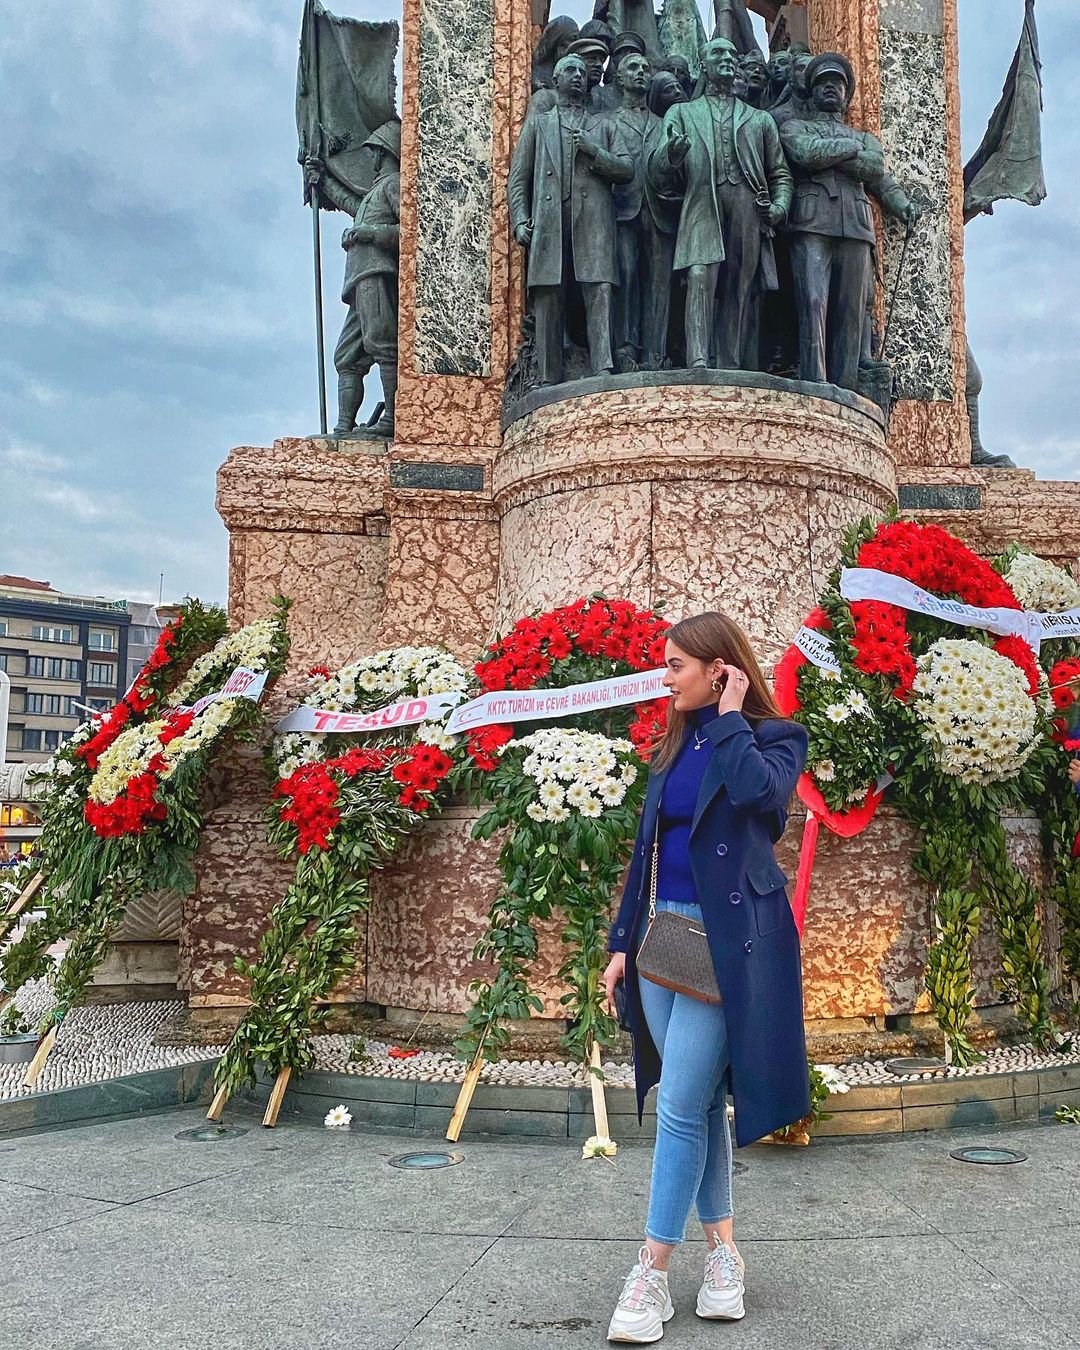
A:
[1064, 624]
[534, 705]
[817, 648]
[867, 583]
[405, 713]
[242, 683]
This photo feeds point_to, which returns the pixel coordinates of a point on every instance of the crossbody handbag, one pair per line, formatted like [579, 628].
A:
[675, 951]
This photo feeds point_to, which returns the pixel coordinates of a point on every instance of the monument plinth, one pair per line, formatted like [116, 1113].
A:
[698, 488]
[694, 489]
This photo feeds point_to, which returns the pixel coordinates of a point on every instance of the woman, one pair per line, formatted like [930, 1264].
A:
[718, 790]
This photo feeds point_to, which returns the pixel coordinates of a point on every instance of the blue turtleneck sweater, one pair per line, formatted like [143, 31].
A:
[675, 880]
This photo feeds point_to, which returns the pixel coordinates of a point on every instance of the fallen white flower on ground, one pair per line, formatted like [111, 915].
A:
[832, 1079]
[339, 1118]
[599, 1146]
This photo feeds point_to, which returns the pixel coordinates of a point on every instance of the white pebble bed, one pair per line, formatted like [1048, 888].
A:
[111, 1040]
[115, 1040]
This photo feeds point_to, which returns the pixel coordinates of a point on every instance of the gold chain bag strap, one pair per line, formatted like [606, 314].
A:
[675, 951]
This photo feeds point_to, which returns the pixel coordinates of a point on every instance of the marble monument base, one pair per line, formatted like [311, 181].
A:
[694, 489]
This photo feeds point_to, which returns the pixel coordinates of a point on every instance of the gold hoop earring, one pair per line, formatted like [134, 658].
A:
[715, 686]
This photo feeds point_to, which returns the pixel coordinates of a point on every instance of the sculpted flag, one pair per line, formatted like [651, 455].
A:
[733, 23]
[1008, 164]
[345, 88]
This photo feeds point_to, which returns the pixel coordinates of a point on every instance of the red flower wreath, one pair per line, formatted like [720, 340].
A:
[530, 654]
[931, 558]
[312, 791]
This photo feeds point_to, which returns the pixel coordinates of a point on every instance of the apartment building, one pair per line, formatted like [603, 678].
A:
[64, 654]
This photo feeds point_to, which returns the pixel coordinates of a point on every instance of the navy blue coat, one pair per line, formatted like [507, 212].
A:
[741, 813]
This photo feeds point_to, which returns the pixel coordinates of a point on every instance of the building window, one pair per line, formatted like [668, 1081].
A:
[33, 703]
[40, 632]
[3, 627]
[51, 740]
[102, 641]
[31, 738]
[52, 668]
[101, 673]
[3, 660]
[98, 704]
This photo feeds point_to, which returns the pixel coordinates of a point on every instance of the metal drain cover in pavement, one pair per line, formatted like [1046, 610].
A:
[994, 1157]
[210, 1134]
[902, 1066]
[425, 1161]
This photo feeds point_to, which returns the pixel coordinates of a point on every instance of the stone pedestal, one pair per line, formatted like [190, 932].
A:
[730, 491]
[869, 921]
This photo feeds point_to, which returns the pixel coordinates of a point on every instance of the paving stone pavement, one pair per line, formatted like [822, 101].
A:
[117, 1236]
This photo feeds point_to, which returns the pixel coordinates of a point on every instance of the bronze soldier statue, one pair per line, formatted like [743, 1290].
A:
[724, 158]
[370, 290]
[831, 225]
[562, 211]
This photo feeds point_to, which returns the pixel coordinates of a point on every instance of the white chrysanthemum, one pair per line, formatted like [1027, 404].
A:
[859, 703]
[132, 751]
[824, 771]
[250, 646]
[838, 712]
[599, 1146]
[431, 733]
[338, 1118]
[576, 770]
[535, 811]
[984, 727]
[423, 671]
[1041, 585]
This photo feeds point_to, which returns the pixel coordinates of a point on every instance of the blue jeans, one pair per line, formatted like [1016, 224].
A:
[692, 1157]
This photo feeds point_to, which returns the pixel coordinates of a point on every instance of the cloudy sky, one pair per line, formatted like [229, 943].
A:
[155, 274]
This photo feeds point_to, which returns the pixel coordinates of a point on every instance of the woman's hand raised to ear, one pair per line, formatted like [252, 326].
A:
[734, 691]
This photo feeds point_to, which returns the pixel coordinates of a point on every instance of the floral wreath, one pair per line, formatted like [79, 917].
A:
[73, 877]
[567, 800]
[128, 791]
[121, 814]
[590, 639]
[954, 724]
[341, 805]
[880, 648]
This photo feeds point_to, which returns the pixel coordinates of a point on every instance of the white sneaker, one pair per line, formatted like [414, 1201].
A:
[644, 1304]
[721, 1292]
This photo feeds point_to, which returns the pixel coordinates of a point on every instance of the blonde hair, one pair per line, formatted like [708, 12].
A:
[713, 637]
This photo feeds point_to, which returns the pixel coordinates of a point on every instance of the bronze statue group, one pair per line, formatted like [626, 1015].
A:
[720, 221]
